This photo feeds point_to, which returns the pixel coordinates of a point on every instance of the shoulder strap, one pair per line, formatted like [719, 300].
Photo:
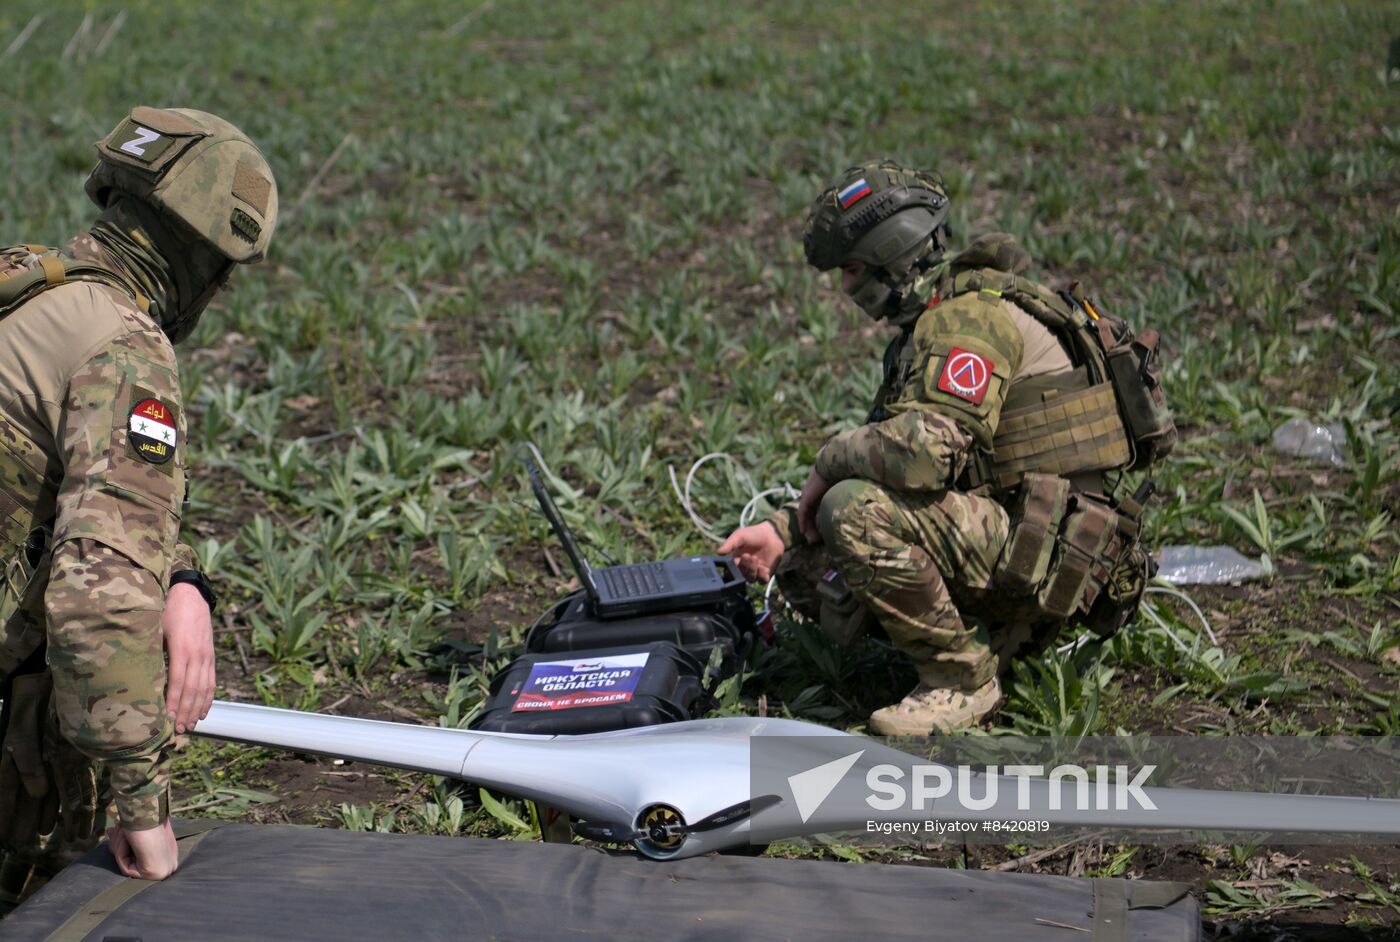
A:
[1071, 319]
[998, 250]
[54, 269]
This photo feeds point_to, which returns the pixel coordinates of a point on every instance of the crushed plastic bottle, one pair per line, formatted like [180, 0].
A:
[1209, 565]
[1303, 438]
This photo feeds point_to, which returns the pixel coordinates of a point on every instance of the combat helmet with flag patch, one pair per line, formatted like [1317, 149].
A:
[891, 218]
[197, 168]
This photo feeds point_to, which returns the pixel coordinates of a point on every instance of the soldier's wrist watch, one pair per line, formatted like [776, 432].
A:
[200, 581]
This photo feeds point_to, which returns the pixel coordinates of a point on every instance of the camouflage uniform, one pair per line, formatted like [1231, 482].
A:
[915, 551]
[968, 514]
[81, 359]
[92, 472]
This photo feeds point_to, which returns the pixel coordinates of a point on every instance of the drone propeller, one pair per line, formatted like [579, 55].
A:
[664, 829]
[733, 813]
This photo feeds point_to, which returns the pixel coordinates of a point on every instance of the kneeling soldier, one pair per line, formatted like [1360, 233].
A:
[906, 519]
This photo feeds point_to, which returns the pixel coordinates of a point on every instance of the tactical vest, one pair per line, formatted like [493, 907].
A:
[1074, 550]
[1109, 414]
[27, 497]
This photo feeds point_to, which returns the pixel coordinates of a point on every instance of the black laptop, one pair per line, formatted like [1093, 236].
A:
[642, 588]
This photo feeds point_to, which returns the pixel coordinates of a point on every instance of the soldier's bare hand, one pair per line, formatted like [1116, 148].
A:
[756, 550]
[811, 499]
[189, 650]
[151, 854]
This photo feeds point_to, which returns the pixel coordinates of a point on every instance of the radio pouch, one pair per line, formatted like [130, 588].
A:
[1135, 369]
[842, 618]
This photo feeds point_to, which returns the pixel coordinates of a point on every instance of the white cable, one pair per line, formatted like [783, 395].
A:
[1079, 642]
[1074, 645]
[746, 514]
[1177, 593]
[700, 522]
[705, 529]
[1152, 614]
[695, 468]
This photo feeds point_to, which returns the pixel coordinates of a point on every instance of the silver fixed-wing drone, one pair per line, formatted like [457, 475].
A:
[683, 789]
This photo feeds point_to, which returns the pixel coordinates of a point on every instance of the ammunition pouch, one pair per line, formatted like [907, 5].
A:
[1035, 519]
[1074, 553]
[1084, 549]
[1118, 602]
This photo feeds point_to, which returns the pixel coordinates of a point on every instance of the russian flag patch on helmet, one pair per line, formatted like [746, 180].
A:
[853, 194]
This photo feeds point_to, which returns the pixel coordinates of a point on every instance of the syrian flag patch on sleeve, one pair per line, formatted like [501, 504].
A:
[966, 375]
[152, 430]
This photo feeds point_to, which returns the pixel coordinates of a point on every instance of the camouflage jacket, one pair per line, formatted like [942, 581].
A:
[93, 433]
[947, 376]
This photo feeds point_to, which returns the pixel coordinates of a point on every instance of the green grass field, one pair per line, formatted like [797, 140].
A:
[579, 225]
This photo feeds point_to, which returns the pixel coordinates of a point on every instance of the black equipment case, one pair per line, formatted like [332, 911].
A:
[593, 691]
[728, 626]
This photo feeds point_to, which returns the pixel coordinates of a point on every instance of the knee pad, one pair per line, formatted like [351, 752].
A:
[843, 516]
[854, 530]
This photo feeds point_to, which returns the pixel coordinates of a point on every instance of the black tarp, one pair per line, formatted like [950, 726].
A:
[269, 883]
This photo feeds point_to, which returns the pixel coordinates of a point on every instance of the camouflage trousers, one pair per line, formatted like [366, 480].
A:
[28, 859]
[921, 564]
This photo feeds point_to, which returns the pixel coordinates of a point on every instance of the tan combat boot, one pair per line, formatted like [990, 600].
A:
[928, 710]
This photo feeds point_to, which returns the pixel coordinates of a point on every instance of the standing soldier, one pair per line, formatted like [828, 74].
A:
[968, 514]
[92, 484]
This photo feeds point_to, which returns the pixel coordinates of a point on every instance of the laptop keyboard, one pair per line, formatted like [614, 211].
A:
[631, 582]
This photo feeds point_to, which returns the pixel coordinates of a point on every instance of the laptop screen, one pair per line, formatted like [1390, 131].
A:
[561, 530]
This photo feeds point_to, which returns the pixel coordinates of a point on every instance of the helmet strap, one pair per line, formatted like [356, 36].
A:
[871, 293]
[897, 287]
[918, 289]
